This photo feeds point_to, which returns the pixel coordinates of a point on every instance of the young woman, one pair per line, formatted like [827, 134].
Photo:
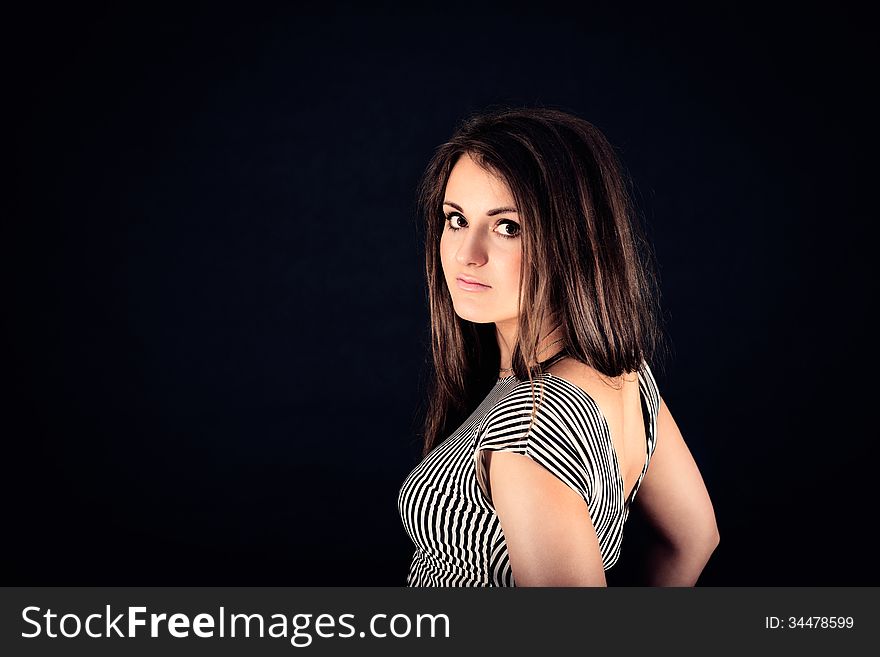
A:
[544, 414]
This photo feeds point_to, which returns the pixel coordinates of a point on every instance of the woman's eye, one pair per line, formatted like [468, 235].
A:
[511, 228]
[450, 218]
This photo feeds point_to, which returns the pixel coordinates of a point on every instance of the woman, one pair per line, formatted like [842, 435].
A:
[544, 414]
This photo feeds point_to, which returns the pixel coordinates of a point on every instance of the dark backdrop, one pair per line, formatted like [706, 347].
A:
[215, 320]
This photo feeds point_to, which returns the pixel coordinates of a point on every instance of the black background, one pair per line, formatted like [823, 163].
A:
[215, 319]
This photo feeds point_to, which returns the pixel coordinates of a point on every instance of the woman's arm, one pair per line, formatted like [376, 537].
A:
[550, 537]
[675, 502]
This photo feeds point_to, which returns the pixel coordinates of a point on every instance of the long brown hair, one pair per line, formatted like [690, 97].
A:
[585, 261]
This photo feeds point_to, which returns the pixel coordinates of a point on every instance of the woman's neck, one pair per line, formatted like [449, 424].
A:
[550, 343]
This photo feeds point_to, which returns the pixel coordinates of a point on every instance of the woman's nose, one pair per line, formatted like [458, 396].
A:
[471, 250]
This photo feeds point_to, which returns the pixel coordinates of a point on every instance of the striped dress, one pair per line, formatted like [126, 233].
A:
[443, 502]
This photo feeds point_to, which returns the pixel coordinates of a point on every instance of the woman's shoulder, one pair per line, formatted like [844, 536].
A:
[561, 391]
[570, 385]
[572, 376]
[553, 417]
[604, 391]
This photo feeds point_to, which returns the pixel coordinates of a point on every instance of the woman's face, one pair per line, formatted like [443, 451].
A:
[480, 241]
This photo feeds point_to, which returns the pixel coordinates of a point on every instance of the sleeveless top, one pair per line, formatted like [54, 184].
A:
[443, 502]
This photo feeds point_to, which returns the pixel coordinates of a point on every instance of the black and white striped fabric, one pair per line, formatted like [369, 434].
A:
[443, 502]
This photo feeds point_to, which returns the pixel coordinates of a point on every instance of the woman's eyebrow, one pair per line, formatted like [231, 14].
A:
[490, 213]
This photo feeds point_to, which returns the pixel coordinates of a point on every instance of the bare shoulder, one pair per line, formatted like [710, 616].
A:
[594, 383]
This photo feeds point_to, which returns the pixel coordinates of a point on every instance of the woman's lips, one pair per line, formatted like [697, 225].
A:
[471, 287]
